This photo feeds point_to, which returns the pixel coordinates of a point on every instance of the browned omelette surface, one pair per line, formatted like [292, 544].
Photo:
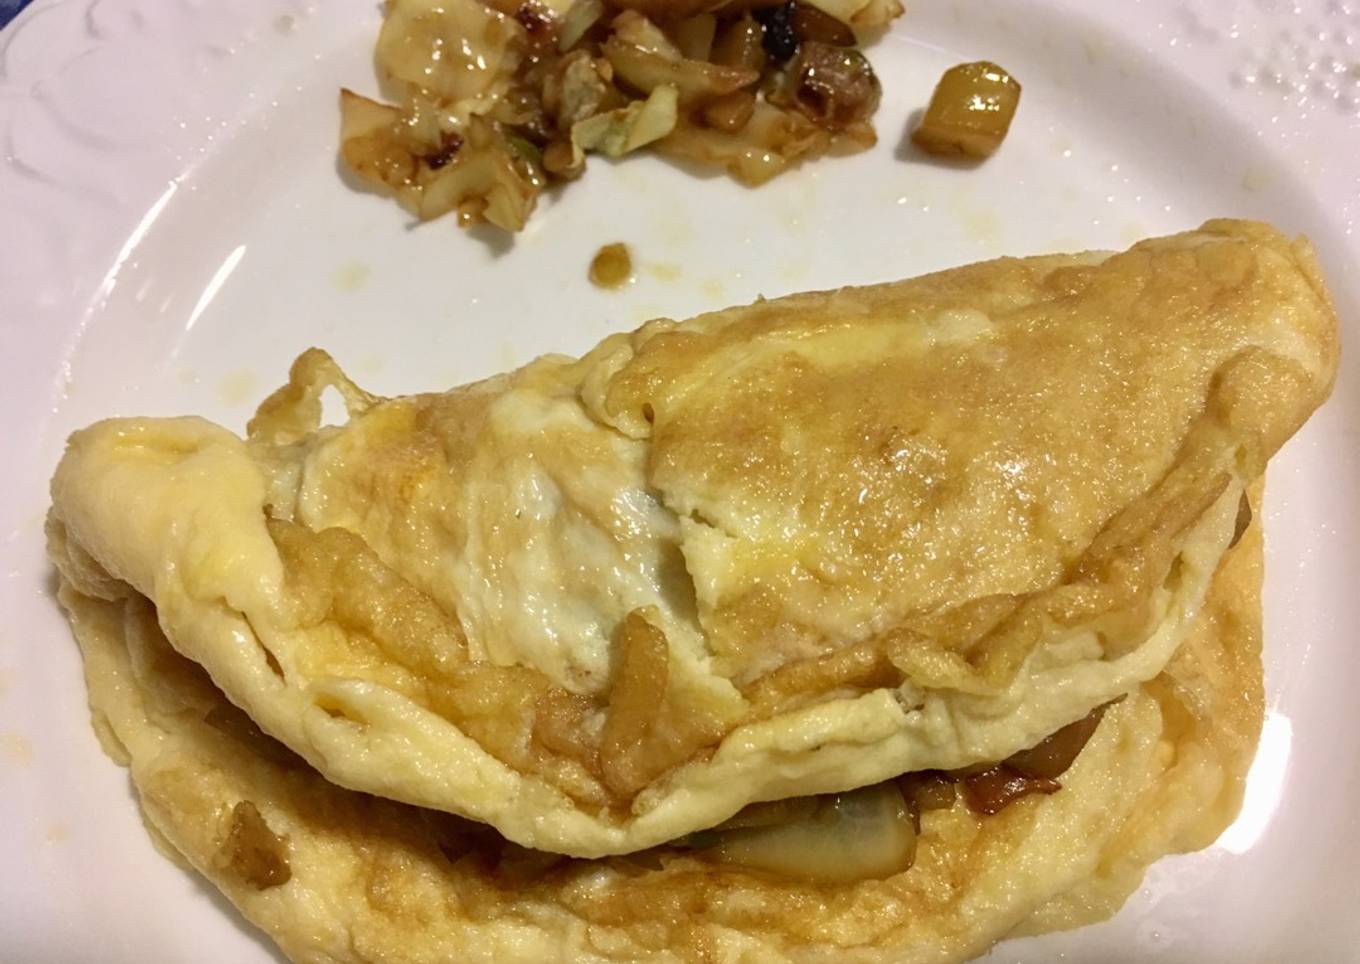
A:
[791, 548]
[338, 876]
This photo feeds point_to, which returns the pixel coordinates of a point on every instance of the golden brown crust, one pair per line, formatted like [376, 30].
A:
[970, 401]
[369, 880]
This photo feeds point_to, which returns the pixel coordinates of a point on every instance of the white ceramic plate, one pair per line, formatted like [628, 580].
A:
[173, 230]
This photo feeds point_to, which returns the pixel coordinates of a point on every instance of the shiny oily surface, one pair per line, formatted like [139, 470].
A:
[970, 111]
[501, 97]
[132, 232]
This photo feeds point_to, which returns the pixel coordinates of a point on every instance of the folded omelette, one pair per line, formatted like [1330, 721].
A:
[710, 644]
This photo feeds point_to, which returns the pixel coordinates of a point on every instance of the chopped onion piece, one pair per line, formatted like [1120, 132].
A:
[370, 145]
[970, 111]
[694, 36]
[634, 28]
[769, 142]
[865, 834]
[741, 44]
[579, 18]
[860, 14]
[483, 183]
[616, 132]
[574, 90]
[695, 80]
[461, 50]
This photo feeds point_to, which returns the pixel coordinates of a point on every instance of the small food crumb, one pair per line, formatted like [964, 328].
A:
[370, 364]
[1255, 180]
[612, 266]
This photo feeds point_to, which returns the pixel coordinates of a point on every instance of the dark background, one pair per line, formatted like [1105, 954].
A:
[8, 8]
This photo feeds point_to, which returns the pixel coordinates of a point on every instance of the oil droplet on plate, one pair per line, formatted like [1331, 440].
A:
[1255, 180]
[350, 276]
[237, 388]
[1133, 232]
[664, 271]
[370, 364]
[982, 225]
[16, 749]
[612, 266]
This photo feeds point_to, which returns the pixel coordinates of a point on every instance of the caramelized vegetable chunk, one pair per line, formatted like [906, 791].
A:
[1243, 520]
[809, 23]
[730, 113]
[1034, 770]
[928, 789]
[970, 111]
[995, 789]
[1050, 757]
[865, 834]
[252, 851]
[740, 44]
[833, 86]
